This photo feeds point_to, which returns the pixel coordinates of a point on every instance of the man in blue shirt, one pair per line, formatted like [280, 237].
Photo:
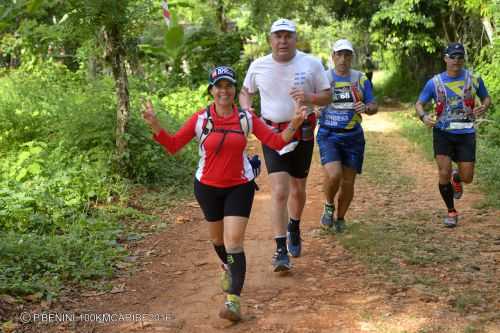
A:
[340, 136]
[455, 94]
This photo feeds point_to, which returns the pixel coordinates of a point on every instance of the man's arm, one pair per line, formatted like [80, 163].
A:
[245, 98]
[486, 102]
[371, 108]
[485, 105]
[321, 98]
[424, 117]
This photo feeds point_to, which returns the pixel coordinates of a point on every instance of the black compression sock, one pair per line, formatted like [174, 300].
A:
[446, 191]
[221, 252]
[293, 225]
[237, 267]
[281, 243]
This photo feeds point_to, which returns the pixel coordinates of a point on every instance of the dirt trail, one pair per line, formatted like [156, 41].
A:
[327, 291]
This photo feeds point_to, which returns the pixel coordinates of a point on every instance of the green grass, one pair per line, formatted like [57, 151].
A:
[488, 155]
[467, 300]
[381, 163]
[45, 264]
[405, 248]
[65, 207]
[393, 85]
[392, 247]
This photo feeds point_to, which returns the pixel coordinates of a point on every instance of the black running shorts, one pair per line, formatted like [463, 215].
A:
[218, 202]
[459, 147]
[296, 163]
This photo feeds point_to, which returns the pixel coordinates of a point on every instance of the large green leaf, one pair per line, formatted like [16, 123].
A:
[34, 5]
[173, 38]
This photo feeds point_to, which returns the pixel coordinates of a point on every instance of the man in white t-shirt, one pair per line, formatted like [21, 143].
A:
[282, 78]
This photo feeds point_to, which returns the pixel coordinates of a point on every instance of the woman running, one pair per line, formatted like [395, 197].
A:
[224, 181]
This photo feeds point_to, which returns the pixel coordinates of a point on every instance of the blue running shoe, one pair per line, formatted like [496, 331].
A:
[281, 261]
[294, 243]
[327, 216]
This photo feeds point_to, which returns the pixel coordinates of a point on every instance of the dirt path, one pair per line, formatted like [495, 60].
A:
[329, 290]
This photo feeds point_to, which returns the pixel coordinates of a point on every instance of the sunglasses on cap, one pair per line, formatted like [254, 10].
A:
[456, 56]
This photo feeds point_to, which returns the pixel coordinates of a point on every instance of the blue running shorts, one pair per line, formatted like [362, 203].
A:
[346, 146]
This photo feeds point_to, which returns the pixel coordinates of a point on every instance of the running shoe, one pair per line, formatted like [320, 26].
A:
[281, 261]
[327, 216]
[225, 278]
[458, 189]
[231, 310]
[294, 243]
[339, 225]
[451, 220]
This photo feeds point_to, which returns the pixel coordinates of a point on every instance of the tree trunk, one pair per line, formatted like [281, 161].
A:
[115, 54]
[221, 17]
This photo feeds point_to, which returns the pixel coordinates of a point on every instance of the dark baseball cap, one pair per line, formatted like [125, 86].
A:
[454, 48]
[221, 73]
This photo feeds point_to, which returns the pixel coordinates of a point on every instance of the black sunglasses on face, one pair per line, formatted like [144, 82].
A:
[456, 57]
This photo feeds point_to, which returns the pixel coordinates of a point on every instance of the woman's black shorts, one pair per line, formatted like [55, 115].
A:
[218, 202]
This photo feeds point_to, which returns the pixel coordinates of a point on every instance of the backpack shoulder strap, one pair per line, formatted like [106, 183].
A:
[355, 79]
[330, 76]
[355, 76]
[206, 127]
[439, 88]
[469, 89]
[245, 121]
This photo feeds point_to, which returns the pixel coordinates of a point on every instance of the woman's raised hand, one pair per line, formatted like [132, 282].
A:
[299, 116]
[150, 117]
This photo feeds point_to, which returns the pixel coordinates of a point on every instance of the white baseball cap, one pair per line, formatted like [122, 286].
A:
[283, 25]
[343, 44]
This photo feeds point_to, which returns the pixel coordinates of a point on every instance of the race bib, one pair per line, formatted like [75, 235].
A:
[460, 125]
[342, 99]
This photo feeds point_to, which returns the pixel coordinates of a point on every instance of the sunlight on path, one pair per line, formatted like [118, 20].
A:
[379, 122]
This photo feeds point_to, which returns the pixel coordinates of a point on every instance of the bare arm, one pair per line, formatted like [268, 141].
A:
[321, 98]
[485, 105]
[370, 108]
[297, 120]
[245, 98]
[150, 118]
[424, 117]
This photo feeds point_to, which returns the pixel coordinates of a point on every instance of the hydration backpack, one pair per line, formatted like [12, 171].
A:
[442, 96]
[208, 127]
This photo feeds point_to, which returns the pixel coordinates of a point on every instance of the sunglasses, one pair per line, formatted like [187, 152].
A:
[456, 57]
